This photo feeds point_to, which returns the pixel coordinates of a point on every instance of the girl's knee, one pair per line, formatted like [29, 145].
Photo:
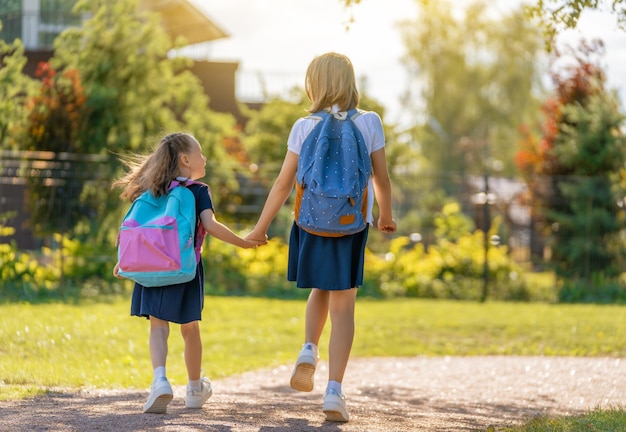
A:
[190, 329]
[159, 324]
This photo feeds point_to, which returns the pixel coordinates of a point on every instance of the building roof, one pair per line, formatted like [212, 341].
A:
[183, 18]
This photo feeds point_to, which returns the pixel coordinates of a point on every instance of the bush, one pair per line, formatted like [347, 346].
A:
[599, 289]
[230, 270]
[451, 270]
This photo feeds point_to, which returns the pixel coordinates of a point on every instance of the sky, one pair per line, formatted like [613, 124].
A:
[278, 39]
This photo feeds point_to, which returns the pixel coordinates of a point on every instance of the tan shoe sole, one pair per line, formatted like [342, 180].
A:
[302, 377]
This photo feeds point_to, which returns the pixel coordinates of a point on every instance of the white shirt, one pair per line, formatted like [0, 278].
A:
[371, 127]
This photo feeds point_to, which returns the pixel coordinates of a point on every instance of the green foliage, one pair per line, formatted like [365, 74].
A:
[574, 169]
[15, 89]
[599, 419]
[476, 83]
[260, 271]
[452, 267]
[23, 277]
[112, 88]
[68, 270]
[597, 289]
[56, 198]
[268, 128]
[557, 15]
[451, 224]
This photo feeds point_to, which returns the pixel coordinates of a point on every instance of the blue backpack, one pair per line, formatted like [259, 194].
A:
[156, 239]
[334, 168]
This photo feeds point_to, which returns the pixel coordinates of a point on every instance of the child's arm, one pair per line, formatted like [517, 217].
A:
[382, 191]
[277, 196]
[222, 232]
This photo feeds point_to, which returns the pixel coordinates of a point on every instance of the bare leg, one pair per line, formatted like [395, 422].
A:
[341, 307]
[161, 392]
[302, 376]
[159, 333]
[316, 315]
[193, 349]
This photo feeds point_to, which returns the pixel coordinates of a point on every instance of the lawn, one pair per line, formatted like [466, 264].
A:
[99, 345]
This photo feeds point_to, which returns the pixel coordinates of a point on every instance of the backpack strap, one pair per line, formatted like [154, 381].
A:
[184, 182]
[354, 113]
[201, 231]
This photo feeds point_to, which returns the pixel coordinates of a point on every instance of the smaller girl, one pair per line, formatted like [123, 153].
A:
[177, 157]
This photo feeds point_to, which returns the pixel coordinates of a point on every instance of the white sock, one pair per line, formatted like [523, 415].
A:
[159, 373]
[311, 346]
[194, 385]
[334, 385]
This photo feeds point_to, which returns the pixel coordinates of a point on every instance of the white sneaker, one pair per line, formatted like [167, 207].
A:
[335, 407]
[304, 371]
[197, 398]
[161, 394]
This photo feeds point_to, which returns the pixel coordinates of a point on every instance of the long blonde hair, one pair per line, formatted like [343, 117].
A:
[155, 171]
[330, 81]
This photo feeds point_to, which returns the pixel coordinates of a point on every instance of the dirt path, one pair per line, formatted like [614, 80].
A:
[384, 394]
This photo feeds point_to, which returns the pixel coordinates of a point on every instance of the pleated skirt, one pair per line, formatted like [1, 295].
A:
[180, 303]
[327, 263]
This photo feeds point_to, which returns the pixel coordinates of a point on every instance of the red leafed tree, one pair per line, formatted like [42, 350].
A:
[55, 113]
[55, 119]
[570, 166]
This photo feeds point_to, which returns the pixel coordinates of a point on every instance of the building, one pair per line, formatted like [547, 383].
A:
[38, 22]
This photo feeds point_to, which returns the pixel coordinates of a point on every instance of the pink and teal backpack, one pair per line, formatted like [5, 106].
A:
[156, 239]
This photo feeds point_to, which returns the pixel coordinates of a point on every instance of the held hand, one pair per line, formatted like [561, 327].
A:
[388, 226]
[257, 237]
[250, 243]
[116, 271]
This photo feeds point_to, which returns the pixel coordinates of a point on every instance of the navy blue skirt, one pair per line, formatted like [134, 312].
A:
[180, 303]
[327, 263]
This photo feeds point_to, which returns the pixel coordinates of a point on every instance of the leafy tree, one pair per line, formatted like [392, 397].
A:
[53, 125]
[574, 167]
[555, 15]
[478, 78]
[134, 91]
[15, 88]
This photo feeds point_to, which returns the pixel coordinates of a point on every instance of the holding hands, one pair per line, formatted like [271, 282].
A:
[252, 242]
[257, 237]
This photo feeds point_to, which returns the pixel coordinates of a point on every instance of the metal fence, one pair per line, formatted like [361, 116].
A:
[62, 174]
[481, 199]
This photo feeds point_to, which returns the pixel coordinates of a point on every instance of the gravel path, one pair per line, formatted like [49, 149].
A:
[384, 394]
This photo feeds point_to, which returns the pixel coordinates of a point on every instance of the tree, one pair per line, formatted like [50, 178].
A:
[15, 88]
[53, 125]
[558, 13]
[555, 15]
[574, 168]
[134, 91]
[477, 78]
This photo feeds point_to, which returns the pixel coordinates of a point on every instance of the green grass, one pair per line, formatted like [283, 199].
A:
[598, 420]
[99, 345]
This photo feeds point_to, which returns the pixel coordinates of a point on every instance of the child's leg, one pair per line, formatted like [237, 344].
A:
[341, 308]
[199, 388]
[159, 333]
[302, 377]
[161, 391]
[316, 314]
[193, 349]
